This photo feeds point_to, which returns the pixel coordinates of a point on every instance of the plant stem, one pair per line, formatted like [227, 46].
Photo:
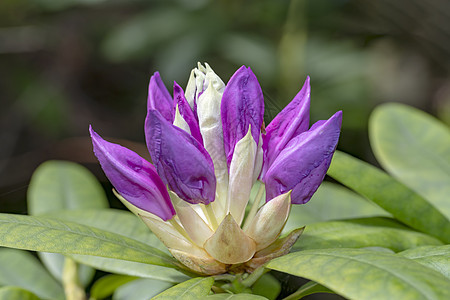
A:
[72, 288]
[253, 277]
[180, 229]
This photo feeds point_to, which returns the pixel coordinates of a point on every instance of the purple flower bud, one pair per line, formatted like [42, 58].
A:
[290, 122]
[181, 161]
[303, 163]
[242, 105]
[159, 98]
[133, 177]
[186, 112]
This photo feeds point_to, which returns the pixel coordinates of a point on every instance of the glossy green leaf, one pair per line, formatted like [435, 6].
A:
[132, 268]
[50, 235]
[242, 296]
[195, 288]
[365, 274]
[308, 289]
[60, 185]
[105, 286]
[16, 293]
[415, 148]
[21, 269]
[112, 220]
[391, 195]
[359, 233]
[435, 257]
[267, 286]
[332, 202]
[140, 289]
[64, 185]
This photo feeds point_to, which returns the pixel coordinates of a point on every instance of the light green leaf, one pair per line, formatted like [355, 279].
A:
[132, 268]
[112, 220]
[332, 202]
[195, 288]
[434, 257]
[368, 274]
[54, 262]
[415, 148]
[16, 293]
[140, 289]
[61, 185]
[359, 233]
[105, 286]
[242, 296]
[267, 286]
[308, 289]
[50, 235]
[21, 269]
[389, 194]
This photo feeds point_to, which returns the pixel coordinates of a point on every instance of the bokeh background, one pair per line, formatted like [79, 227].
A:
[65, 64]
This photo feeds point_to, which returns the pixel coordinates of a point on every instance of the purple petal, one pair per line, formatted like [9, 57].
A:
[303, 163]
[186, 112]
[159, 98]
[290, 122]
[181, 161]
[242, 105]
[133, 177]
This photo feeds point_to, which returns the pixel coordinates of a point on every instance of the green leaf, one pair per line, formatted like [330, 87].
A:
[61, 185]
[391, 195]
[126, 224]
[267, 286]
[241, 296]
[54, 262]
[140, 289]
[112, 220]
[21, 269]
[50, 235]
[434, 257]
[195, 288]
[332, 202]
[415, 148]
[105, 286]
[15, 293]
[364, 274]
[359, 233]
[309, 289]
[132, 268]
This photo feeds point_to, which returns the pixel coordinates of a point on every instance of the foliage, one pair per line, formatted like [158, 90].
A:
[386, 239]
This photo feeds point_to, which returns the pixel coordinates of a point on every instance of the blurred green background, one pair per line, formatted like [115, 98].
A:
[65, 64]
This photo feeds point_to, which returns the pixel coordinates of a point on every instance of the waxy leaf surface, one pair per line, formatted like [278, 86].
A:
[364, 274]
[415, 148]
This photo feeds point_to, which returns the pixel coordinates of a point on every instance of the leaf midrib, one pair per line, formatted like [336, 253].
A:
[91, 229]
[374, 265]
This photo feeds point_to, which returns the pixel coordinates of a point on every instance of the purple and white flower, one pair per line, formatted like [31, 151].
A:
[208, 151]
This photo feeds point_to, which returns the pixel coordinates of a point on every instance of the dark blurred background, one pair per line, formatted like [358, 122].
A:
[65, 64]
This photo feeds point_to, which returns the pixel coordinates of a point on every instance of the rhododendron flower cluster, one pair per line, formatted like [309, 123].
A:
[209, 147]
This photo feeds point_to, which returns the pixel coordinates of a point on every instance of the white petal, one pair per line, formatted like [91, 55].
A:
[229, 244]
[268, 223]
[208, 110]
[180, 122]
[194, 225]
[189, 93]
[165, 231]
[241, 176]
